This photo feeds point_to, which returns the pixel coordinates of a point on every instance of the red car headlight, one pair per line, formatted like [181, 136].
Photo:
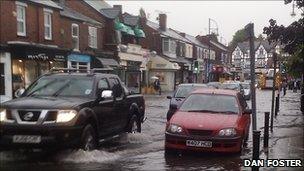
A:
[175, 129]
[227, 132]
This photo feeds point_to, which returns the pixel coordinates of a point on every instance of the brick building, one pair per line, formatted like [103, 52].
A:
[38, 35]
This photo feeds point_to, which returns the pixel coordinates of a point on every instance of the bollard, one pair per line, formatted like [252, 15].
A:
[266, 129]
[279, 102]
[276, 109]
[256, 144]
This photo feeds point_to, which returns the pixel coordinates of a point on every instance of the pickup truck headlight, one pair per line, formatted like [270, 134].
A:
[65, 115]
[227, 132]
[175, 129]
[3, 115]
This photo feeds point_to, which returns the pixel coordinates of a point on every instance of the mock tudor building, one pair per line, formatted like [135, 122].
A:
[241, 57]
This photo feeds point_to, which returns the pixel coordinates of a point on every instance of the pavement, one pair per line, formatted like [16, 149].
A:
[286, 141]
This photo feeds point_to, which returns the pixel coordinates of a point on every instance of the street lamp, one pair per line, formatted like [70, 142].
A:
[209, 33]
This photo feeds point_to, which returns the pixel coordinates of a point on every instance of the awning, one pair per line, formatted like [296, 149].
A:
[180, 60]
[129, 31]
[108, 61]
[130, 57]
[139, 33]
[120, 26]
[79, 58]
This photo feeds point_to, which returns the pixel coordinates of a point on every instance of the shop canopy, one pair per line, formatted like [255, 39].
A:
[108, 62]
[139, 33]
[123, 28]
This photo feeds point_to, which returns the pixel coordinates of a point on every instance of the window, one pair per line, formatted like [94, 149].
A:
[21, 22]
[47, 24]
[103, 84]
[78, 65]
[166, 45]
[169, 46]
[261, 51]
[75, 36]
[116, 88]
[2, 79]
[92, 37]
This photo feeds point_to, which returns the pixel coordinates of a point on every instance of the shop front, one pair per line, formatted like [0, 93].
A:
[29, 62]
[79, 61]
[133, 61]
[164, 70]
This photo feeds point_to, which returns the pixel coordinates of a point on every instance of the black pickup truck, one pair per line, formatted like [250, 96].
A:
[70, 110]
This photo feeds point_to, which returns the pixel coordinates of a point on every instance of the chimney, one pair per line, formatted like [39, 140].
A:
[182, 34]
[118, 7]
[162, 21]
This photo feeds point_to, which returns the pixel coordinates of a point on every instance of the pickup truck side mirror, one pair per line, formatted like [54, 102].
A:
[105, 94]
[247, 111]
[19, 92]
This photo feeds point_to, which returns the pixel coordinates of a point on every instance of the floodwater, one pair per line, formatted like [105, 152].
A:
[145, 151]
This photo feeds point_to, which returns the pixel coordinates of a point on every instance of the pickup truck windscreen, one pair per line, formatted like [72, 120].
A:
[61, 86]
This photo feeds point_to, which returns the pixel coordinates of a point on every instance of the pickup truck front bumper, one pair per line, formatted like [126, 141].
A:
[51, 137]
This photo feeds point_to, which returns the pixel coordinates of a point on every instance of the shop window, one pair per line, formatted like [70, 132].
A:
[18, 75]
[48, 24]
[75, 36]
[79, 65]
[21, 18]
[2, 79]
[92, 37]
[31, 72]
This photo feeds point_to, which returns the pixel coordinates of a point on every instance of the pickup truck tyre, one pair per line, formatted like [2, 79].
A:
[134, 125]
[88, 138]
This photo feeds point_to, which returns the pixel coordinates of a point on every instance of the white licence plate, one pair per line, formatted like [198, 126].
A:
[35, 139]
[194, 143]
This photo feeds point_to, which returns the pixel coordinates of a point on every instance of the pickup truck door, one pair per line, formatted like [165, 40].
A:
[104, 109]
[120, 105]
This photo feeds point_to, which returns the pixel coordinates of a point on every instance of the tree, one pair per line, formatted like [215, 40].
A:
[292, 37]
[239, 36]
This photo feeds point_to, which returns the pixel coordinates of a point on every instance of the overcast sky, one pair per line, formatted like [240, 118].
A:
[192, 16]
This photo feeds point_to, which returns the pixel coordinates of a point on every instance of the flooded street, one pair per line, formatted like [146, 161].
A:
[145, 151]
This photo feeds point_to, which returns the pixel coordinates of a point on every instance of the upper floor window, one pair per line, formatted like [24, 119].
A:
[48, 24]
[92, 37]
[169, 46]
[21, 18]
[75, 36]
[261, 51]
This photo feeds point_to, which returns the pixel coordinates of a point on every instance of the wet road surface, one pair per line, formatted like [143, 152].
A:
[145, 151]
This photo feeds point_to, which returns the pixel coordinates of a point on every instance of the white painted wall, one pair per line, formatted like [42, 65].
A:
[5, 58]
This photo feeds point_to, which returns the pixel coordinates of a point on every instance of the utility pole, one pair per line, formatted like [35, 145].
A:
[274, 55]
[209, 50]
[250, 32]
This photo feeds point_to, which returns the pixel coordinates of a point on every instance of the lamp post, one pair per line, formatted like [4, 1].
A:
[208, 61]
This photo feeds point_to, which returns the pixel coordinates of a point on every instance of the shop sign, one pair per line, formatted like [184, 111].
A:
[40, 56]
[45, 57]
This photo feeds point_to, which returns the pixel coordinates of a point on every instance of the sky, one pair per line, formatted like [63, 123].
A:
[192, 17]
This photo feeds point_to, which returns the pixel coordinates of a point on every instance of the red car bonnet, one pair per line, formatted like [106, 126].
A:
[206, 121]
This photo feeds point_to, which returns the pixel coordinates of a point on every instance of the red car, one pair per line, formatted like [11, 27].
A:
[211, 120]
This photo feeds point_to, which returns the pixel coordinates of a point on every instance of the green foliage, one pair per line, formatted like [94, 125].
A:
[239, 36]
[295, 64]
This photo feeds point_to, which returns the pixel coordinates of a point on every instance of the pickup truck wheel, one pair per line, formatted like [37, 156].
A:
[134, 125]
[88, 138]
